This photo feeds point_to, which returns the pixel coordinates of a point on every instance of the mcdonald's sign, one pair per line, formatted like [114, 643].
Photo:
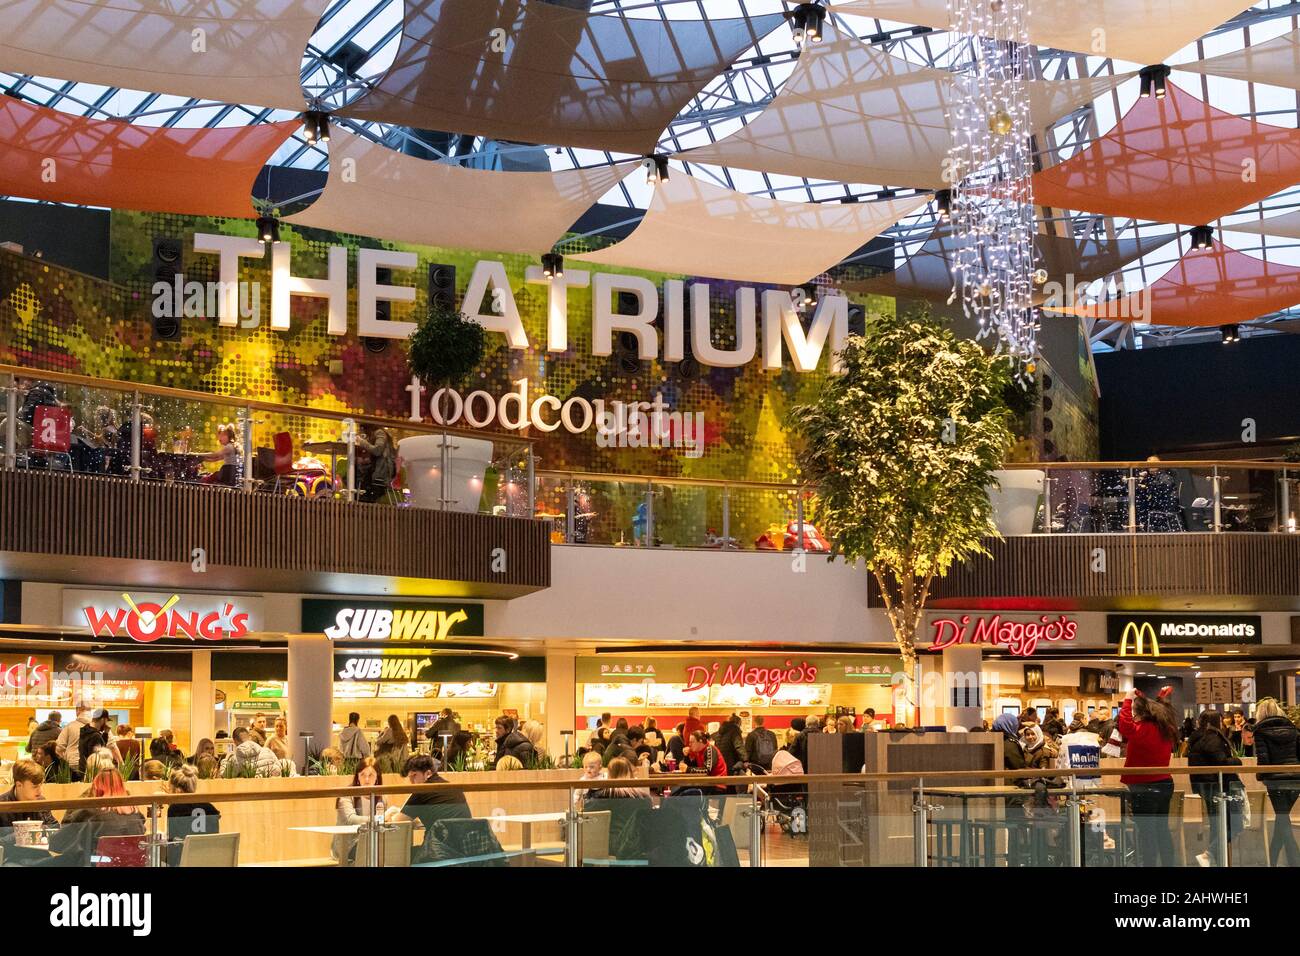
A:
[1141, 635]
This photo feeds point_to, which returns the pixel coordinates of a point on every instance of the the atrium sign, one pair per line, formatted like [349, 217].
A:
[1021, 638]
[781, 325]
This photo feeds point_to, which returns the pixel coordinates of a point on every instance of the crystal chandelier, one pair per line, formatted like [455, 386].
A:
[990, 164]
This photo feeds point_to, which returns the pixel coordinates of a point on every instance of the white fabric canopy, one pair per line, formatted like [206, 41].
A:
[1276, 62]
[697, 229]
[1141, 31]
[1286, 226]
[398, 197]
[852, 113]
[235, 51]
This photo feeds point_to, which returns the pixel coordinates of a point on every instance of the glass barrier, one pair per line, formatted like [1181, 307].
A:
[1209, 817]
[1250, 500]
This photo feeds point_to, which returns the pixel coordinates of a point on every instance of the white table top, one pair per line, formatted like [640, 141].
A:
[530, 817]
[346, 829]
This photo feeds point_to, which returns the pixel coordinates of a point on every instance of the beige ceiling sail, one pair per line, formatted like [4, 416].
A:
[230, 51]
[536, 72]
[698, 229]
[1286, 226]
[1140, 31]
[1275, 62]
[376, 191]
[852, 113]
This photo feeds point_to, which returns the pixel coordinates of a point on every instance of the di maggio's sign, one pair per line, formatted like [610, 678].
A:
[1019, 637]
[382, 621]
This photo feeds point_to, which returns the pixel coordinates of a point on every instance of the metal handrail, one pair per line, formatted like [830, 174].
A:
[658, 780]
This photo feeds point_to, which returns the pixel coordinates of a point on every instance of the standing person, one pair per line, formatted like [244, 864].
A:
[281, 732]
[383, 463]
[163, 748]
[1276, 743]
[459, 752]
[249, 758]
[1053, 725]
[47, 730]
[693, 722]
[730, 742]
[446, 727]
[654, 738]
[352, 741]
[1207, 747]
[70, 737]
[393, 746]
[511, 743]
[94, 735]
[1151, 731]
[128, 745]
[761, 745]
[205, 747]
[355, 811]
[535, 731]
[77, 838]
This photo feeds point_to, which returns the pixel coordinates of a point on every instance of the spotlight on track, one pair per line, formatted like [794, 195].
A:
[316, 126]
[553, 265]
[1230, 334]
[1154, 80]
[656, 169]
[807, 21]
[268, 229]
[1202, 237]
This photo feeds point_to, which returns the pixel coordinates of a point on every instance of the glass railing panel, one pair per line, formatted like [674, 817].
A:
[188, 441]
[71, 428]
[1250, 499]
[551, 506]
[1086, 501]
[763, 519]
[682, 516]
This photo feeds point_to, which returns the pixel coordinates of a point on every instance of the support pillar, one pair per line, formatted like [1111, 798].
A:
[963, 686]
[561, 701]
[202, 699]
[311, 694]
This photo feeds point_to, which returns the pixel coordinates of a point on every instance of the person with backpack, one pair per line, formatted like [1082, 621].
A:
[1208, 747]
[730, 742]
[761, 745]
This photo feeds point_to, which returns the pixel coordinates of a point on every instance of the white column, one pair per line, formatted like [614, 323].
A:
[962, 704]
[202, 700]
[561, 703]
[311, 693]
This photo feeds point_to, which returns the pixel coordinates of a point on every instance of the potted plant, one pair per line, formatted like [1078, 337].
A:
[442, 352]
[902, 447]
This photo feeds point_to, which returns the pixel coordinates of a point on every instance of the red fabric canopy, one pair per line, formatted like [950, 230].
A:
[1211, 287]
[1174, 160]
[58, 157]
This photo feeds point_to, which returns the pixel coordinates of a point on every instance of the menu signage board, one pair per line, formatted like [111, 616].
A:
[145, 617]
[142, 666]
[1144, 634]
[1094, 680]
[391, 621]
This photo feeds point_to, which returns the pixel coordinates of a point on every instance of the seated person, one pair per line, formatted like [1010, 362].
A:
[82, 828]
[228, 454]
[29, 781]
[429, 807]
[619, 769]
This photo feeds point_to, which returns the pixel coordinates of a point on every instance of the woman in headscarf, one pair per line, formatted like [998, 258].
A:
[1013, 754]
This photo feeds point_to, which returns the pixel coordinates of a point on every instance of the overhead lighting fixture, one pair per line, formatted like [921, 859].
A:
[943, 202]
[656, 169]
[1202, 237]
[1230, 334]
[268, 229]
[316, 126]
[553, 265]
[808, 21]
[1154, 79]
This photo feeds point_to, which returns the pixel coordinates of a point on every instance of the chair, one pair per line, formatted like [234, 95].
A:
[51, 437]
[210, 849]
[738, 814]
[593, 837]
[121, 851]
[1176, 829]
[1250, 848]
[282, 464]
[394, 846]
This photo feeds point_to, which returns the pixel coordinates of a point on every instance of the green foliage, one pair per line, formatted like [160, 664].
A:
[244, 770]
[62, 773]
[128, 766]
[445, 347]
[1293, 714]
[902, 448]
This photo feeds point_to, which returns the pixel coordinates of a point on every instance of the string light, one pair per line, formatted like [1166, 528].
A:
[990, 203]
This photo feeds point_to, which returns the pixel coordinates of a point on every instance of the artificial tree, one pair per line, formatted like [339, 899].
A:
[902, 448]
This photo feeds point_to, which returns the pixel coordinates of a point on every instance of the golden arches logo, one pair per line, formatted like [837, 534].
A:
[1138, 633]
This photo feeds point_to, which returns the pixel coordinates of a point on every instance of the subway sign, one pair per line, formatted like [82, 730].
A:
[384, 621]
[1143, 635]
[357, 667]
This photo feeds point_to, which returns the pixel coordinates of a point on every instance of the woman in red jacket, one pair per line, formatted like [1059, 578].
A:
[1151, 731]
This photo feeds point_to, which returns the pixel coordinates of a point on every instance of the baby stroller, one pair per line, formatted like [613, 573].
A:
[785, 805]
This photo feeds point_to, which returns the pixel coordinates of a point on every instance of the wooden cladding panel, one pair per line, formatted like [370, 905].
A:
[52, 513]
[1136, 565]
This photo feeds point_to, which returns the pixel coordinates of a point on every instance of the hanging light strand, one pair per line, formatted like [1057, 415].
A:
[990, 165]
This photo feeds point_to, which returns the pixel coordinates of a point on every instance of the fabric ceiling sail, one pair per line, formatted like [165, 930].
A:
[1140, 31]
[852, 113]
[1286, 226]
[1176, 159]
[199, 172]
[1207, 288]
[389, 195]
[927, 274]
[1276, 62]
[565, 77]
[232, 51]
[698, 229]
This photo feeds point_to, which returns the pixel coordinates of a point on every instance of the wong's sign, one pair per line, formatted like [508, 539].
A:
[1017, 636]
[781, 325]
[145, 618]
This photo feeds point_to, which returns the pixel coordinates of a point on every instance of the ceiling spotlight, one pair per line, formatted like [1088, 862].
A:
[268, 229]
[1154, 80]
[553, 265]
[656, 169]
[1202, 237]
[943, 200]
[1229, 333]
[316, 126]
[807, 21]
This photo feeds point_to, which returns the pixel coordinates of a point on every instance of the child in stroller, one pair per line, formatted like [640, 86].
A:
[787, 804]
